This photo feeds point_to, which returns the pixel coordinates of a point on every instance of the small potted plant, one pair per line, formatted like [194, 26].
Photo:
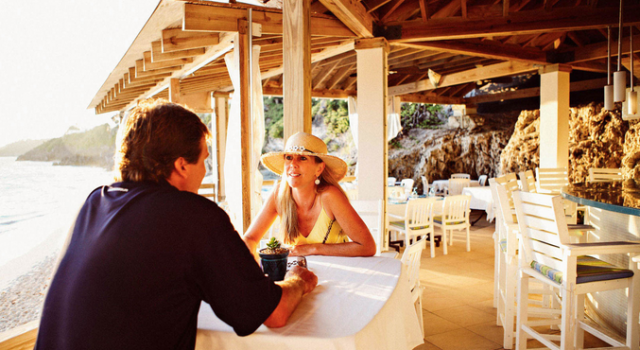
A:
[274, 260]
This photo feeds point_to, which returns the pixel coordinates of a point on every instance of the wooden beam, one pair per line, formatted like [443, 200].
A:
[423, 10]
[533, 92]
[339, 75]
[517, 23]
[353, 14]
[488, 72]
[157, 54]
[599, 50]
[150, 65]
[319, 93]
[296, 58]
[484, 49]
[376, 4]
[224, 18]
[177, 39]
[431, 98]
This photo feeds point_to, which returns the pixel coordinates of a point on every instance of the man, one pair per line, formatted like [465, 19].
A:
[145, 251]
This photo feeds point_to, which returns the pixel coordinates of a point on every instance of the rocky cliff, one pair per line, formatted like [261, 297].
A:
[596, 139]
[472, 147]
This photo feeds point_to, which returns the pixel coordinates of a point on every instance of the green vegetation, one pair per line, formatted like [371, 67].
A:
[273, 243]
[420, 115]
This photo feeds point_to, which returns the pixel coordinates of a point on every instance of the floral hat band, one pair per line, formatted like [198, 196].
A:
[303, 143]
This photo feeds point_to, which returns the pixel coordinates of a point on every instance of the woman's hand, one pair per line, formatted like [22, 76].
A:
[303, 250]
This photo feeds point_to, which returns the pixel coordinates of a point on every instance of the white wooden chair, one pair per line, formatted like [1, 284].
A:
[527, 181]
[547, 255]
[551, 180]
[455, 216]
[391, 181]
[460, 176]
[425, 185]
[482, 180]
[371, 212]
[456, 185]
[418, 222]
[407, 184]
[604, 174]
[411, 258]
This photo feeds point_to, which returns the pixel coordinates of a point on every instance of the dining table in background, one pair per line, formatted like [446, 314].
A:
[359, 303]
[481, 199]
[442, 185]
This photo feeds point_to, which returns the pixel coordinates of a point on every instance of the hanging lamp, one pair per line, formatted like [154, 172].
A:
[632, 102]
[608, 89]
[620, 77]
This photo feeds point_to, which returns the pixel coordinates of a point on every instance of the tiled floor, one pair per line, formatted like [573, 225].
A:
[457, 301]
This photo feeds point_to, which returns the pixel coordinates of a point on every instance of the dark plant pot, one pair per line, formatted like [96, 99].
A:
[274, 265]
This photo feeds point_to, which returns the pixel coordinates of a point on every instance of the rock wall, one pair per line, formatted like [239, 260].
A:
[596, 139]
[441, 152]
[631, 159]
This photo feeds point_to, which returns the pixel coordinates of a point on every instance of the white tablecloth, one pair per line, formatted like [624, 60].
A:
[359, 303]
[481, 199]
[442, 185]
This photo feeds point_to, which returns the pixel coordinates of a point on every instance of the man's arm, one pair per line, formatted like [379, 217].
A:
[298, 282]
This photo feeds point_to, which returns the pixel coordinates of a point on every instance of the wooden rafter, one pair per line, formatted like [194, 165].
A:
[353, 14]
[485, 49]
[518, 23]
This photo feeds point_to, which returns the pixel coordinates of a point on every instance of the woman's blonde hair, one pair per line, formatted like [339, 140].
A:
[287, 206]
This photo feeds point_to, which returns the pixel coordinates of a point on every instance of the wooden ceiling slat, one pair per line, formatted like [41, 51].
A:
[485, 49]
[150, 65]
[353, 14]
[177, 39]
[158, 55]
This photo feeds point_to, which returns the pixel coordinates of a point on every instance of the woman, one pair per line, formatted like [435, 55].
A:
[316, 217]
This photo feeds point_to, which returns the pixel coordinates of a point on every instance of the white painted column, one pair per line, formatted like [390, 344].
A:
[372, 118]
[554, 116]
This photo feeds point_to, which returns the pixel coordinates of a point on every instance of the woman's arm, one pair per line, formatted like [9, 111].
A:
[337, 205]
[262, 223]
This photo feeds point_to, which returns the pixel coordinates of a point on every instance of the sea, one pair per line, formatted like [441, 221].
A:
[38, 203]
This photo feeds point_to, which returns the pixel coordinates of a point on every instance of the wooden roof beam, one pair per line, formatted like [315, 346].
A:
[599, 50]
[517, 23]
[317, 93]
[431, 98]
[484, 49]
[150, 65]
[176, 40]
[487, 72]
[224, 18]
[157, 54]
[353, 14]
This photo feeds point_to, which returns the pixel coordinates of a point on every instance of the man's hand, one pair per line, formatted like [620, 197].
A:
[309, 279]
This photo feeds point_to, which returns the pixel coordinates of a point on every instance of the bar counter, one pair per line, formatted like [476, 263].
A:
[614, 211]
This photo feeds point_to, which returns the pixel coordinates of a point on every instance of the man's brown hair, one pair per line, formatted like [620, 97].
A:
[153, 136]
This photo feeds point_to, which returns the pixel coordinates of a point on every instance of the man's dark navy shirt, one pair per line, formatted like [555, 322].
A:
[141, 259]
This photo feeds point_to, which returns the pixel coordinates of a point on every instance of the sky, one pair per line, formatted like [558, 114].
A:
[55, 55]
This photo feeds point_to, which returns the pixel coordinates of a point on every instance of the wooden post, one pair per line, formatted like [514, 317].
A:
[554, 116]
[245, 121]
[372, 117]
[297, 66]
[220, 131]
[174, 90]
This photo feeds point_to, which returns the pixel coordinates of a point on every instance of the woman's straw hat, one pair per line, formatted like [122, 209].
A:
[302, 143]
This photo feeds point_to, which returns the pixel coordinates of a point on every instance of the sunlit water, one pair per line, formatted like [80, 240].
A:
[38, 202]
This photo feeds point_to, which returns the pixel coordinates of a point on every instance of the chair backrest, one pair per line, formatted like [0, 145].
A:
[506, 233]
[371, 212]
[543, 229]
[411, 258]
[407, 184]
[391, 181]
[482, 180]
[425, 184]
[460, 176]
[551, 180]
[419, 215]
[456, 209]
[208, 191]
[528, 181]
[604, 174]
[510, 182]
[456, 185]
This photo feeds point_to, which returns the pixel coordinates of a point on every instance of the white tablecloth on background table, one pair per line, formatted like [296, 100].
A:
[481, 199]
[442, 185]
[359, 303]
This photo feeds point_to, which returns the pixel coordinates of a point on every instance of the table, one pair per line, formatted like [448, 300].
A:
[359, 303]
[614, 211]
[481, 199]
[442, 185]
